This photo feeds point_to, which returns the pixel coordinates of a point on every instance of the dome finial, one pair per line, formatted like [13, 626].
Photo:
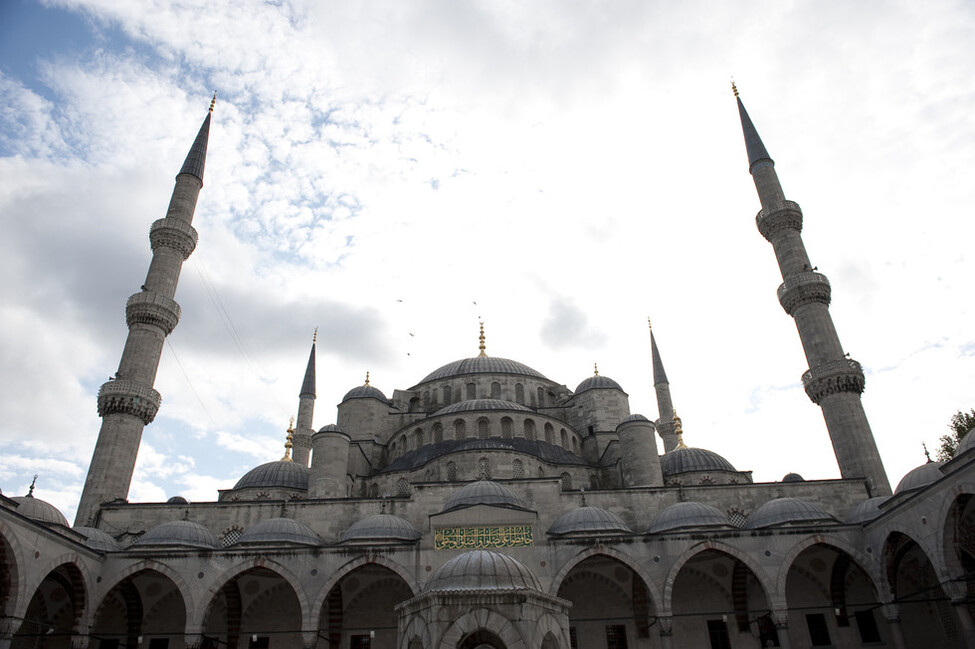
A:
[923, 445]
[734, 88]
[213, 101]
[483, 353]
[679, 431]
[367, 377]
[33, 483]
[649, 324]
[314, 336]
[595, 369]
[288, 444]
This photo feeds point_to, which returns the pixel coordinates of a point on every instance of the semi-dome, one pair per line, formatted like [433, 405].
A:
[473, 405]
[483, 492]
[598, 382]
[683, 460]
[482, 570]
[793, 477]
[920, 477]
[39, 510]
[380, 527]
[365, 392]
[782, 511]
[868, 510]
[589, 520]
[282, 474]
[686, 515]
[280, 530]
[98, 540]
[481, 365]
[185, 533]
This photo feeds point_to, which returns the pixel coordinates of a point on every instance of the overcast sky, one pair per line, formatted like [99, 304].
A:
[391, 172]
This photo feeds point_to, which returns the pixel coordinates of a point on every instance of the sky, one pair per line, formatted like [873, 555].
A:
[394, 172]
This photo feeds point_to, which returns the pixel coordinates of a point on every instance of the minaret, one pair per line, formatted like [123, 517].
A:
[665, 407]
[127, 402]
[306, 409]
[834, 381]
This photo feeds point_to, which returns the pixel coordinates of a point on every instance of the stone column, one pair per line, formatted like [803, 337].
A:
[781, 620]
[329, 463]
[666, 632]
[893, 617]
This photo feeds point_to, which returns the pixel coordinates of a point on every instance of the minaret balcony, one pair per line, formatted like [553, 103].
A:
[173, 233]
[130, 398]
[152, 309]
[803, 288]
[779, 218]
[833, 377]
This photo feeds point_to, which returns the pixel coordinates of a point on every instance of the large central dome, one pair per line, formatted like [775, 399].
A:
[482, 365]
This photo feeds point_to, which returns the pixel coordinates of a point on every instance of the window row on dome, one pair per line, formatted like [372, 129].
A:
[534, 395]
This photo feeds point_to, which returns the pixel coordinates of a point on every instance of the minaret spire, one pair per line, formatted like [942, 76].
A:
[128, 402]
[665, 407]
[833, 381]
[306, 408]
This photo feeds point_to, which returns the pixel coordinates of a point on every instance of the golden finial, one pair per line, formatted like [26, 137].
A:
[734, 88]
[288, 443]
[213, 101]
[314, 336]
[30, 492]
[679, 431]
[367, 377]
[649, 324]
[481, 346]
[595, 369]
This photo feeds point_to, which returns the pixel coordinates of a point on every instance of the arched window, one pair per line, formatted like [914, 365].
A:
[374, 490]
[575, 445]
[541, 397]
[483, 428]
[530, 430]
[517, 470]
[418, 438]
[519, 393]
[402, 487]
[415, 404]
[448, 394]
[593, 481]
[506, 427]
[460, 429]
[471, 391]
[451, 471]
[426, 399]
[549, 434]
[565, 439]
[541, 472]
[566, 482]
[437, 433]
[483, 469]
[495, 390]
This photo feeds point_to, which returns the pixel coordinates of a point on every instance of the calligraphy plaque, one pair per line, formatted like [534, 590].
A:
[473, 538]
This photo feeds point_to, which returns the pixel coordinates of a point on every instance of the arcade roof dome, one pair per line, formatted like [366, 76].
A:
[687, 514]
[280, 530]
[682, 460]
[590, 520]
[483, 492]
[98, 540]
[282, 474]
[781, 511]
[380, 527]
[481, 365]
[39, 510]
[482, 570]
[185, 533]
[920, 477]
[866, 511]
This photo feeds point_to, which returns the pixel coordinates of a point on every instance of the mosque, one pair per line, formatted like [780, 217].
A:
[489, 506]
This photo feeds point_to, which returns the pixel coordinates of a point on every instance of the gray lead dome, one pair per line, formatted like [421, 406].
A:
[39, 510]
[783, 511]
[280, 530]
[185, 533]
[920, 477]
[482, 570]
[483, 492]
[685, 515]
[683, 460]
[481, 365]
[589, 520]
[380, 527]
[596, 383]
[365, 392]
[282, 474]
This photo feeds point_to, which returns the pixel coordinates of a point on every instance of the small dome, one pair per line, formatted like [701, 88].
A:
[685, 515]
[634, 417]
[866, 511]
[39, 510]
[472, 405]
[380, 527]
[98, 540]
[782, 511]
[185, 533]
[793, 477]
[683, 460]
[282, 474]
[280, 530]
[589, 520]
[331, 428]
[967, 442]
[365, 392]
[920, 477]
[177, 500]
[481, 365]
[482, 570]
[598, 382]
[483, 492]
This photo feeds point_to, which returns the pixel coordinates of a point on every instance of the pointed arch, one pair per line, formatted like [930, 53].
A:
[351, 566]
[666, 603]
[62, 579]
[12, 582]
[948, 529]
[868, 566]
[482, 619]
[627, 560]
[417, 629]
[155, 566]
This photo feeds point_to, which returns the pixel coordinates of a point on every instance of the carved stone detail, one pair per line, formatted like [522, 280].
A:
[785, 216]
[173, 233]
[129, 397]
[802, 289]
[154, 309]
[833, 377]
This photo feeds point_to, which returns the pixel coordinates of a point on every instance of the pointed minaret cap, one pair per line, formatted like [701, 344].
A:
[197, 157]
[308, 385]
[659, 375]
[753, 143]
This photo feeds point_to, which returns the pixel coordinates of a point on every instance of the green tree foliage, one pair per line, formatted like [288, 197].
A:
[961, 422]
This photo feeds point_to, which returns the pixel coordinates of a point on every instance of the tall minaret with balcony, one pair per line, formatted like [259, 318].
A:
[665, 407]
[834, 381]
[127, 402]
[306, 409]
